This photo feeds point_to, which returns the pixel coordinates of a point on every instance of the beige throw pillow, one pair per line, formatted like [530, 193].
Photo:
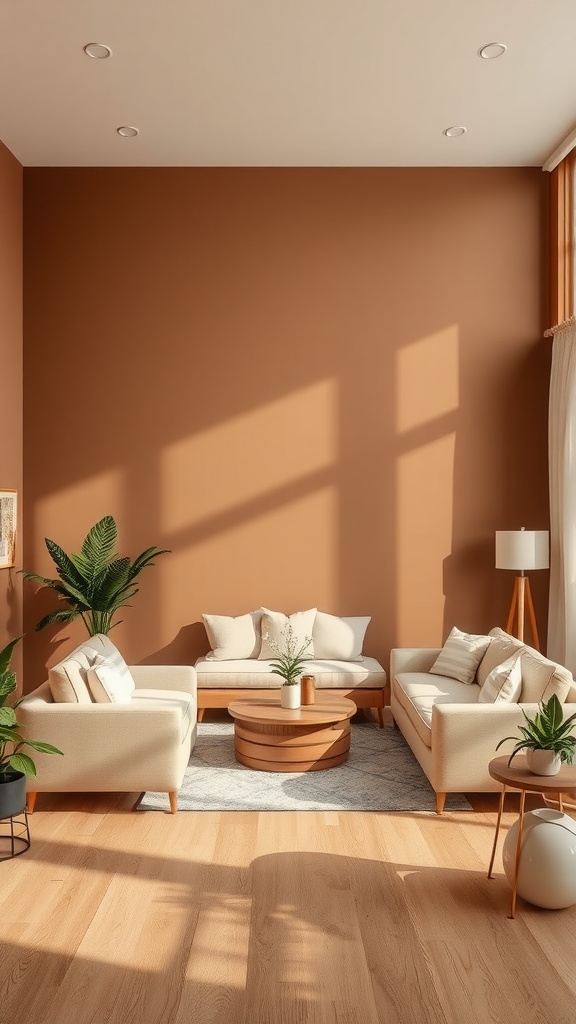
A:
[460, 656]
[233, 638]
[541, 678]
[504, 682]
[339, 639]
[502, 646]
[107, 684]
[273, 625]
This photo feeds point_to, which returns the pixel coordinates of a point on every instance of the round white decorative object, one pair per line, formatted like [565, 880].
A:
[290, 695]
[547, 870]
[543, 762]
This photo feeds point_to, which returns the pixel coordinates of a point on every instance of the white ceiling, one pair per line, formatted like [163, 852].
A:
[286, 82]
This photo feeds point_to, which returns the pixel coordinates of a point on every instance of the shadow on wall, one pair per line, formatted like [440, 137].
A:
[301, 402]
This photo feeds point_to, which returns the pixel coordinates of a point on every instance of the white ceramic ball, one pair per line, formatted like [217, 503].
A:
[547, 872]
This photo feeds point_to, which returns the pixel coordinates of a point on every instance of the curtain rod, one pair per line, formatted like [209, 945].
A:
[570, 322]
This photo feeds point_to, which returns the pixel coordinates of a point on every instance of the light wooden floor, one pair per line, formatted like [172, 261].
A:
[115, 916]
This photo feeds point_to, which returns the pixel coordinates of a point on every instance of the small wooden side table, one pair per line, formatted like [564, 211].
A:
[518, 776]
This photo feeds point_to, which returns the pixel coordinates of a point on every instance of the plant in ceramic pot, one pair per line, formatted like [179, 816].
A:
[288, 664]
[14, 765]
[547, 739]
[95, 582]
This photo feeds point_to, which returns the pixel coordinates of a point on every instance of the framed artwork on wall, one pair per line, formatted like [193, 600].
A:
[8, 509]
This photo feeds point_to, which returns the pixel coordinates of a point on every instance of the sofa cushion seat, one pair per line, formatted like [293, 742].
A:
[418, 692]
[247, 673]
[154, 699]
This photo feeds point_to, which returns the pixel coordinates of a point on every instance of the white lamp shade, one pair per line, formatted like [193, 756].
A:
[522, 549]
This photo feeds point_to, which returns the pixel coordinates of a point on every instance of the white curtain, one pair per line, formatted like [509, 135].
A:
[562, 459]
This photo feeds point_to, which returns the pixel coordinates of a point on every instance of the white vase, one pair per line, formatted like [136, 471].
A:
[543, 762]
[546, 875]
[290, 695]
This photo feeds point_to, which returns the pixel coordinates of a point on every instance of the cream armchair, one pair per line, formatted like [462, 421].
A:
[113, 747]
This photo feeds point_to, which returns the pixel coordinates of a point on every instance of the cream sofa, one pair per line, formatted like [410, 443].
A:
[239, 663]
[141, 744]
[450, 733]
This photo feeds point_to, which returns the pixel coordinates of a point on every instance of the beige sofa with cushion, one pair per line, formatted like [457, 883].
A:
[120, 728]
[239, 661]
[453, 727]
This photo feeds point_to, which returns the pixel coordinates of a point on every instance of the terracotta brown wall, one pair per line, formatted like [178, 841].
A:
[11, 440]
[317, 387]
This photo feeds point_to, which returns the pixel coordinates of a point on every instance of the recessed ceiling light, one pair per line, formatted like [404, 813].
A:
[492, 50]
[99, 51]
[127, 131]
[454, 132]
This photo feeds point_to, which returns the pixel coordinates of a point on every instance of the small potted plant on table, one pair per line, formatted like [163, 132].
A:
[547, 739]
[289, 662]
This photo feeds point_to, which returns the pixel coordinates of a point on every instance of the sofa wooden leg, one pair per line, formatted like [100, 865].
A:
[440, 801]
[30, 802]
[201, 714]
[173, 797]
[380, 717]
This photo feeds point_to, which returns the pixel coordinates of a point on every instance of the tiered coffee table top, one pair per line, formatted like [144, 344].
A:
[268, 737]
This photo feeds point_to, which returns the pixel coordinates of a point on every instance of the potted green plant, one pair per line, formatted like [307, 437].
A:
[547, 739]
[95, 582]
[289, 662]
[14, 765]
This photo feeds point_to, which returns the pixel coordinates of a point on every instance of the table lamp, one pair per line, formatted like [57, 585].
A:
[522, 550]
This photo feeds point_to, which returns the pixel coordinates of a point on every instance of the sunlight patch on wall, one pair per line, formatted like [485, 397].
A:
[287, 557]
[247, 456]
[424, 511]
[78, 507]
[427, 379]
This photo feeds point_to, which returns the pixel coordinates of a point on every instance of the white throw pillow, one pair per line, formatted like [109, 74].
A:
[461, 655]
[107, 684]
[233, 638]
[504, 682]
[274, 624]
[339, 639]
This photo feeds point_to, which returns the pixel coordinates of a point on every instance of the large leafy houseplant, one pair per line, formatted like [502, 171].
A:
[547, 730]
[12, 760]
[95, 582]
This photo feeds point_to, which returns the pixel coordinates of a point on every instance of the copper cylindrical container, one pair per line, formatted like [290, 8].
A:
[307, 690]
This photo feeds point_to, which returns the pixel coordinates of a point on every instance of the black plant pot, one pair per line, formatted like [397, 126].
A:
[12, 794]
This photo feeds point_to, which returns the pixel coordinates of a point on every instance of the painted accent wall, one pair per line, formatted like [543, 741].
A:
[11, 433]
[317, 387]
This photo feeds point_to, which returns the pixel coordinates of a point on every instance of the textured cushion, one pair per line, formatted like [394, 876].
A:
[256, 673]
[418, 693]
[274, 625]
[68, 681]
[501, 647]
[461, 655]
[504, 682]
[339, 638]
[107, 683]
[232, 638]
[541, 678]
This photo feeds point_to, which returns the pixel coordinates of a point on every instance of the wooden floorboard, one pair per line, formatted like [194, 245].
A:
[115, 916]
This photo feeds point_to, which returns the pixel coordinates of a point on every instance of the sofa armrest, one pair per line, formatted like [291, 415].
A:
[106, 746]
[464, 740]
[412, 659]
[165, 677]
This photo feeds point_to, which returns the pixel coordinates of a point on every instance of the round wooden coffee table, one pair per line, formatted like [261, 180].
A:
[271, 738]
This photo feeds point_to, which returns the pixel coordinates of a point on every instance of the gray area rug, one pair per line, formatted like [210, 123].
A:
[381, 774]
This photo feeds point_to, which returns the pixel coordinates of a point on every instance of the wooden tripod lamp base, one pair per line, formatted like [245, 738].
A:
[522, 550]
[521, 606]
